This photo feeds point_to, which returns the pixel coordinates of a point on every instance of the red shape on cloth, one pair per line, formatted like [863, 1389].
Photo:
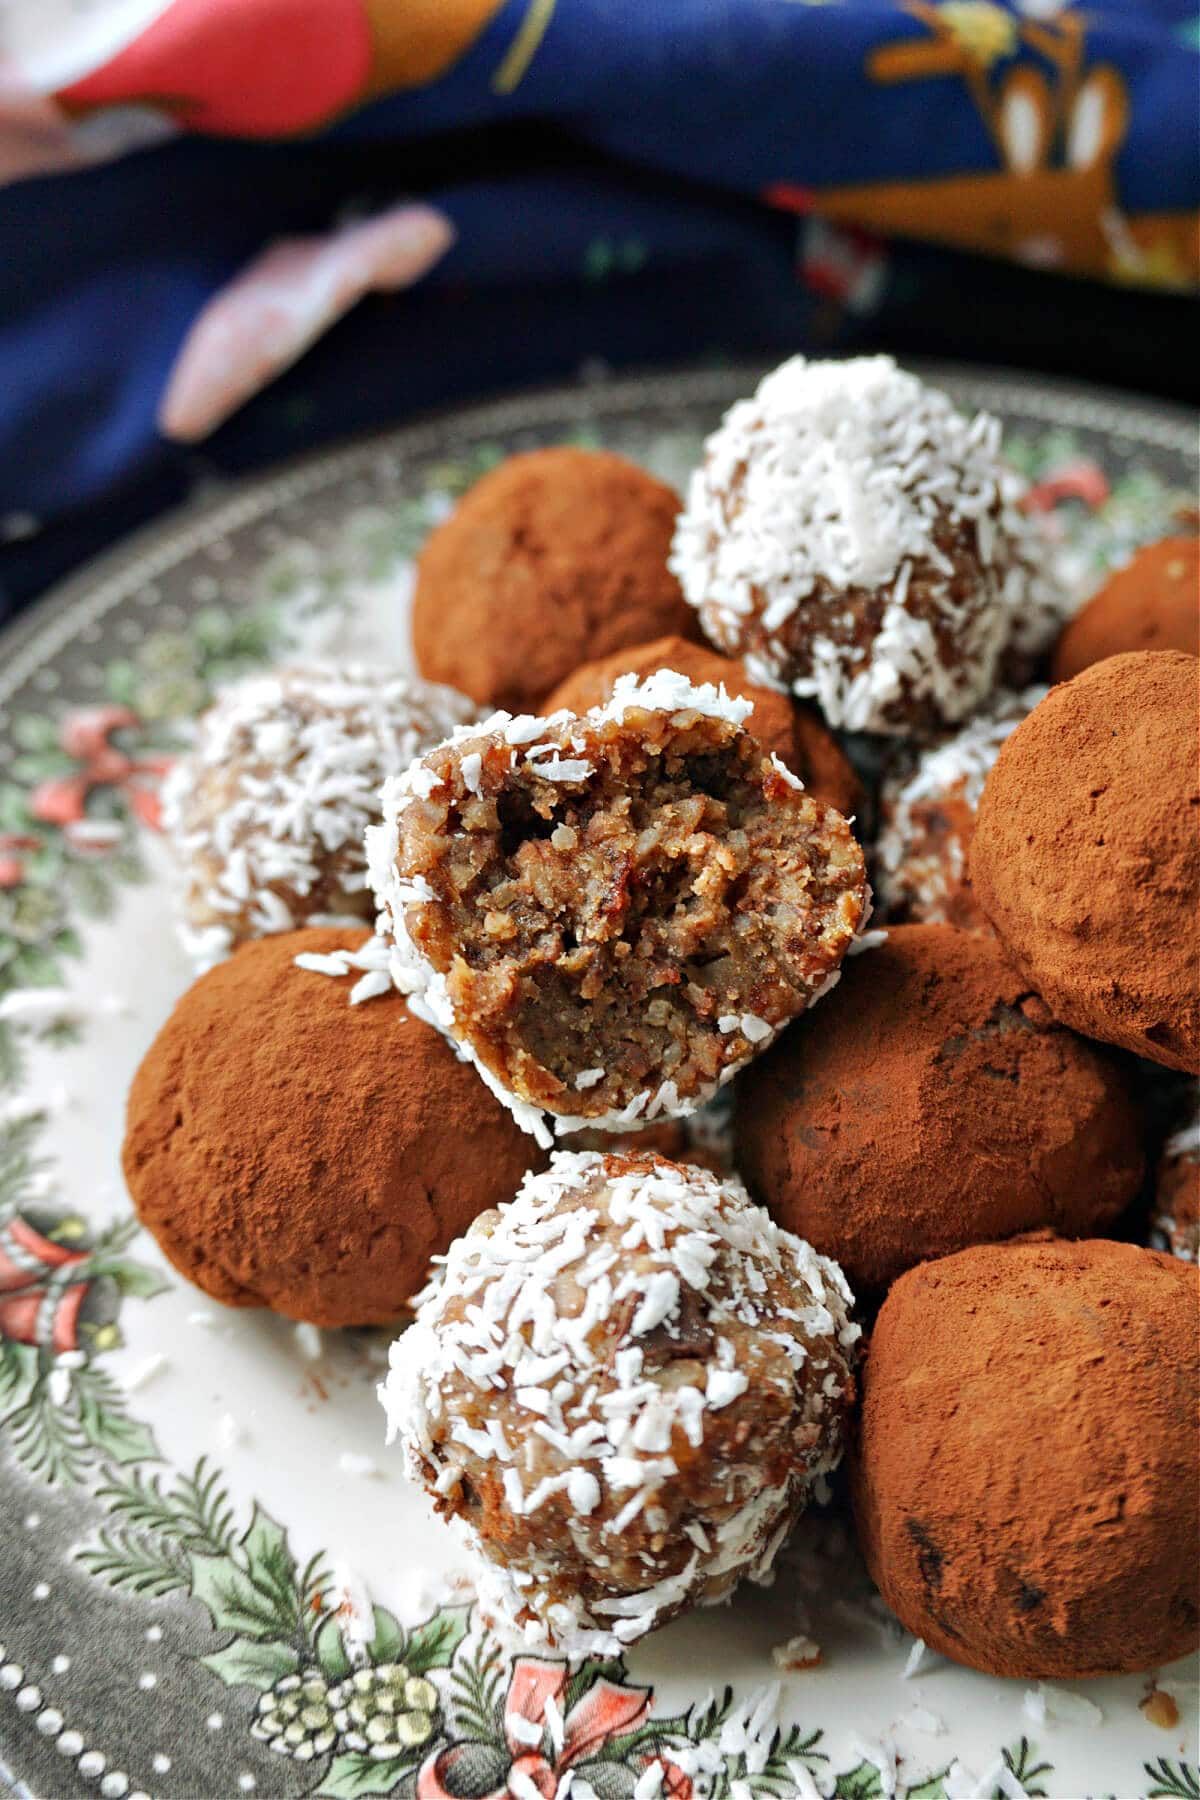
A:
[252, 68]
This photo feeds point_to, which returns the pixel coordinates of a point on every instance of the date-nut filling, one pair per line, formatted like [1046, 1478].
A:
[648, 911]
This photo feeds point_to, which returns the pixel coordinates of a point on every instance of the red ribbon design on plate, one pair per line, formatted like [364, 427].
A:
[85, 736]
[34, 1309]
[536, 1689]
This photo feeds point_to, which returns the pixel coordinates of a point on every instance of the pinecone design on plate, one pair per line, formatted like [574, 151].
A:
[295, 1718]
[384, 1711]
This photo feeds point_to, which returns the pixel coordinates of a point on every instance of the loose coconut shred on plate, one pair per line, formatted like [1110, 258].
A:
[624, 1384]
[610, 914]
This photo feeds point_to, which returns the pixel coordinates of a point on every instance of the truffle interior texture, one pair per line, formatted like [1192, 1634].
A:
[644, 919]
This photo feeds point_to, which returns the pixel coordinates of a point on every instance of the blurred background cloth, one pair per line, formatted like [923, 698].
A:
[231, 230]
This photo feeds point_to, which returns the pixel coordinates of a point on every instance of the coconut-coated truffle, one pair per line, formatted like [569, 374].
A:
[611, 913]
[927, 806]
[852, 537]
[1153, 603]
[1086, 855]
[1175, 1214]
[932, 1103]
[266, 812]
[624, 1384]
[554, 558]
[290, 1150]
[1025, 1479]
[794, 733]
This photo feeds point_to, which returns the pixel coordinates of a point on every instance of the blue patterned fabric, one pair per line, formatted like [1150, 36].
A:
[622, 185]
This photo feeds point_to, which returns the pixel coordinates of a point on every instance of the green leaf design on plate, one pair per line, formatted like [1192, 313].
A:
[195, 1513]
[114, 1433]
[932, 1788]
[477, 1683]
[41, 765]
[432, 1645]
[34, 731]
[250, 1664]
[1024, 1770]
[386, 1646]
[144, 1564]
[18, 1373]
[135, 1281]
[233, 1600]
[90, 889]
[11, 1063]
[863, 1782]
[47, 1441]
[352, 1776]
[1172, 1780]
[331, 1652]
[270, 1564]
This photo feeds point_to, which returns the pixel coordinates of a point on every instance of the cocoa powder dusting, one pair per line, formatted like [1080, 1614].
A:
[290, 1150]
[1151, 604]
[554, 558]
[1086, 854]
[1025, 1480]
[929, 1103]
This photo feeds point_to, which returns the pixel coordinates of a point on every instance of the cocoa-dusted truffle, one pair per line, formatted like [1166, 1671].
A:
[554, 558]
[1025, 1481]
[927, 806]
[851, 536]
[794, 733]
[266, 812]
[1175, 1216]
[1086, 855]
[1153, 603]
[624, 1383]
[291, 1151]
[932, 1103]
[610, 914]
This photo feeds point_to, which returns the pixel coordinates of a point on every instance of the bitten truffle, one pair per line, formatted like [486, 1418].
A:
[794, 733]
[932, 1103]
[267, 812]
[1175, 1216]
[610, 914]
[1086, 855]
[289, 1150]
[554, 558]
[852, 537]
[624, 1384]
[1025, 1481]
[1151, 604]
[927, 806]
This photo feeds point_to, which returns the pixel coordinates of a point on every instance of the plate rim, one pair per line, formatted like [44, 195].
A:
[45, 628]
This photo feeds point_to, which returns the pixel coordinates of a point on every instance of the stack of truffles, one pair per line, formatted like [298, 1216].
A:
[624, 963]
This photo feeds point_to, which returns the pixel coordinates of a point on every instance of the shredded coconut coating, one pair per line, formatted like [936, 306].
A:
[1175, 1216]
[927, 806]
[851, 536]
[268, 810]
[440, 854]
[624, 1384]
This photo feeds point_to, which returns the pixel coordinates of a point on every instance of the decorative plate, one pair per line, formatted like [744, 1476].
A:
[214, 1580]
